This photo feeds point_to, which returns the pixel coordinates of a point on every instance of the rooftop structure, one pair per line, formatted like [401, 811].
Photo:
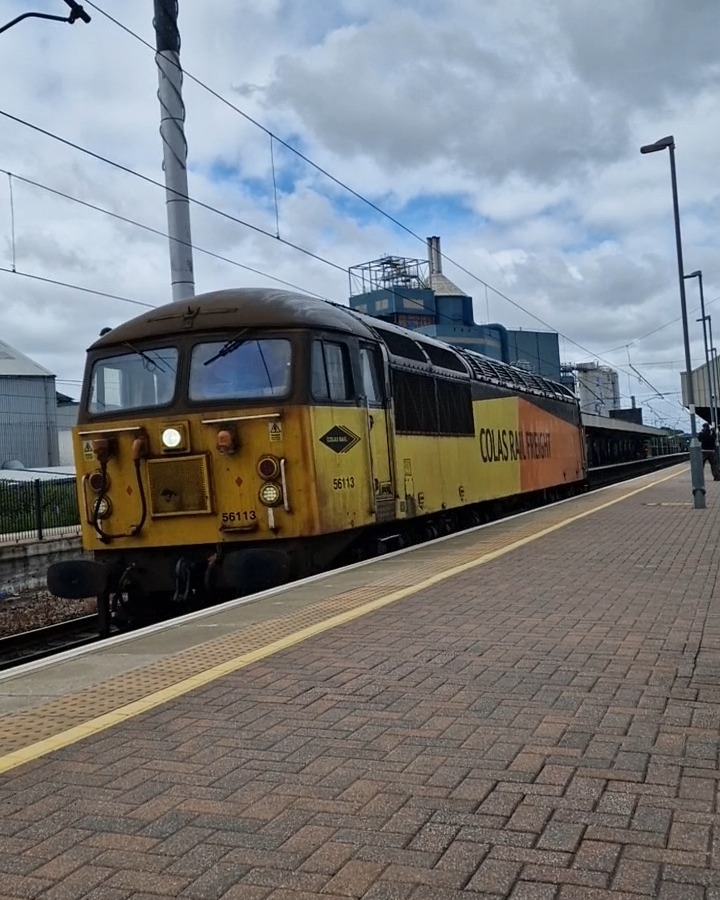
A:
[415, 293]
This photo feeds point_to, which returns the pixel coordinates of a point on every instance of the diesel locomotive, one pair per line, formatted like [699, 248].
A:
[228, 443]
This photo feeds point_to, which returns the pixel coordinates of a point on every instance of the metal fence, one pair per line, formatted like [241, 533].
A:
[37, 509]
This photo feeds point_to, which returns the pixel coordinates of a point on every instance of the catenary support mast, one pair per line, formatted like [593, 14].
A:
[172, 131]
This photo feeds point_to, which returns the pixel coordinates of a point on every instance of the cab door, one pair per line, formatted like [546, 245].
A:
[379, 442]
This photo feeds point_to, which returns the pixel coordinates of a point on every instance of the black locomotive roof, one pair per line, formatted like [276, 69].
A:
[234, 309]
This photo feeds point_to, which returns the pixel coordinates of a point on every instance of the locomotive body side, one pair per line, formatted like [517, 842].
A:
[519, 445]
[249, 436]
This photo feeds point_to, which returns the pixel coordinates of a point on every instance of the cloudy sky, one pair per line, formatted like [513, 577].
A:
[511, 129]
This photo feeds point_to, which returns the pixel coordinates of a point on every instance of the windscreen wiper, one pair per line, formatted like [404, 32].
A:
[146, 357]
[228, 347]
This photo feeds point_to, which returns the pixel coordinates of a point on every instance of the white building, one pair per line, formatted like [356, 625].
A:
[598, 388]
[28, 411]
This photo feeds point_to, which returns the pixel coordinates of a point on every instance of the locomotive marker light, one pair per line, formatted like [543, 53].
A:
[102, 508]
[140, 448]
[97, 482]
[225, 442]
[696, 461]
[268, 467]
[270, 494]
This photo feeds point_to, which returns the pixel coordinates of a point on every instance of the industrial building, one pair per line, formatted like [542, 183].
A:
[28, 411]
[67, 414]
[597, 388]
[414, 293]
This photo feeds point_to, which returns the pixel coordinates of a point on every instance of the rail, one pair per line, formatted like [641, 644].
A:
[600, 476]
[29, 646]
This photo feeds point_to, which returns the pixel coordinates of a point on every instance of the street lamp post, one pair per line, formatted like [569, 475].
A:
[76, 12]
[696, 460]
[712, 387]
[713, 360]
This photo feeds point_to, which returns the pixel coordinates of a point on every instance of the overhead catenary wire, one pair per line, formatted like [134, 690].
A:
[148, 180]
[659, 328]
[340, 183]
[237, 220]
[76, 287]
[395, 290]
[157, 231]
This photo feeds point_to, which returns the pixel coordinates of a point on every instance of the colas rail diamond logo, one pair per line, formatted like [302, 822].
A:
[340, 439]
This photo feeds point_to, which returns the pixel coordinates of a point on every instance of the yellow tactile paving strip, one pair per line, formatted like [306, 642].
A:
[66, 719]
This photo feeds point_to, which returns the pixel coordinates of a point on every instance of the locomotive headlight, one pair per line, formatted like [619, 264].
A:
[102, 508]
[270, 494]
[172, 438]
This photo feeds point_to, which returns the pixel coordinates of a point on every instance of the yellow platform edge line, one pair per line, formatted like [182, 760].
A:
[123, 713]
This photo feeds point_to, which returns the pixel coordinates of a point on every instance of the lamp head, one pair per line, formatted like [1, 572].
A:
[696, 274]
[76, 12]
[662, 144]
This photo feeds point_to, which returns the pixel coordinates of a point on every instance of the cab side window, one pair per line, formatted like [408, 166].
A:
[330, 376]
[372, 376]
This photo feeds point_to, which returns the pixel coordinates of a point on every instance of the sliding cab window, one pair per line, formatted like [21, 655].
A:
[240, 369]
[330, 380]
[142, 378]
[371, 367]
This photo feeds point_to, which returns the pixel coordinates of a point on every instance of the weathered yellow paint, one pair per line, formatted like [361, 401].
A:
[233, 479]
[339, 444]
[498, 466]
[517, 447]
[380, 451]
[341, 463]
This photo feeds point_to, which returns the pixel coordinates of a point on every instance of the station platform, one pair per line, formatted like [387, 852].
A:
[528, 710]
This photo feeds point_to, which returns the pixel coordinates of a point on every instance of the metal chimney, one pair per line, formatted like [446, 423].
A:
[434, 255]
[172, 131]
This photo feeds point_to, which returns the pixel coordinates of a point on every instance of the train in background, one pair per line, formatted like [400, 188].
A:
[229, 443]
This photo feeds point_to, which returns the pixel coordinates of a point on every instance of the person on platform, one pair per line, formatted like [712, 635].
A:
[709, 451]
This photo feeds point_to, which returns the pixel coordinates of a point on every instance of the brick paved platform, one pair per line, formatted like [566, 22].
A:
[542, 726]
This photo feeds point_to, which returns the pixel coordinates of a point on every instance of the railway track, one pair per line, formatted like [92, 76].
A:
[40, 643]
[602, 476]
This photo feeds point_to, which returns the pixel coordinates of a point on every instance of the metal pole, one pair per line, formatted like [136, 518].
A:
[711, 374]
[712, 387]
[37, 501]
[715, 377]
[172, 131]
[703, 318]
[712, 405]
[696, 460]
